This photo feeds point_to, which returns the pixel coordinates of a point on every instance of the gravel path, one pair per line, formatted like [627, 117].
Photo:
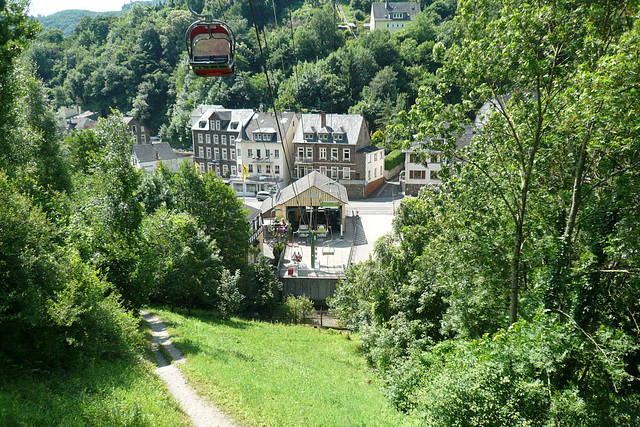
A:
[202, 413]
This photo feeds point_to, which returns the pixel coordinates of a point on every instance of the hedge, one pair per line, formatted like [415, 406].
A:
[393, 159]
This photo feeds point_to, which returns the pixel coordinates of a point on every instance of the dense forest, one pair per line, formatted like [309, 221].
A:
[137, 63]
[507, 296]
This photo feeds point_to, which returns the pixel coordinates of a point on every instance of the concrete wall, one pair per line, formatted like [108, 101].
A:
[393, 172]
[316, 288]
[372, 186]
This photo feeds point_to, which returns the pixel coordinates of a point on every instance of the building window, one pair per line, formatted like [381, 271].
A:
[277, 154]
[208, 152]
[323, 170]
[277, 169]
[375, 172]
[308, 136]
[200, 152]
[142, 129]
[338, 136]
[323, 152]
[309, 152]
[257, 137]
[369, 158]
[324, 136]
[232, 151]
[234, 170]
[369, 175]
[216, 154]
[200, 138]
[239, 152]
[268, 153]
[209, 167]
[143, 138]
[417, 174]
[346, 154]
[225, 170]
[433, 175]
[224, 139]
[268, 168]
[215, 138]
[232, 140]
[380, 170]
[258, 153]
[334, 172]
[218, 170]
[375, 157]
[217, 124]
[250, 168]
[346, 173]
[259, 169]
[212, 125]
[435, 158]
[249, 153]
[224, 154]
[334, 154]
[208, 138]
[134, 128]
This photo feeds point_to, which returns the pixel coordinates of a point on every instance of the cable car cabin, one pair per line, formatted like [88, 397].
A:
[210, 46]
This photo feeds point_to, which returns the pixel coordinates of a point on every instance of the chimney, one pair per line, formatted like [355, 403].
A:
[323, 119]
[157, 155]
[387, 5]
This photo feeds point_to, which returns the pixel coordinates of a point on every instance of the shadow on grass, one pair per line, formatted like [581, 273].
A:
[211, 318]
[189, 347]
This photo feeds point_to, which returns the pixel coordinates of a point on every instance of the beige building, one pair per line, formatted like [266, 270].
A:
[392, 16]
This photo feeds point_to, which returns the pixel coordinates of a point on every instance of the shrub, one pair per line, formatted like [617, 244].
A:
[229, 297]
[297, 308]
[393, 159]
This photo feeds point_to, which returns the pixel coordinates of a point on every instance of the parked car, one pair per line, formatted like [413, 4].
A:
[262, 195]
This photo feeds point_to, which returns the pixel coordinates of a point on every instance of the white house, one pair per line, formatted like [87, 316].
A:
[149, 156]
[263, 149]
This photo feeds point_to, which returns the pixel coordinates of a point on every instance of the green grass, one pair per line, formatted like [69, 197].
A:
[278, 375]
[103, 393]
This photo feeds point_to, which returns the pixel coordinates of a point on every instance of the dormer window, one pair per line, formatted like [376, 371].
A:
[257, 136]
[308, 136]
[397, 15]
[234, 125]
[211, 125]
[338, 136]
[324, 136]
[217, 124]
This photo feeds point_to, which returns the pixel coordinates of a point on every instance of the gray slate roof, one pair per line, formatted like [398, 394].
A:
[383, 10]
[313, 179]
[147, 152]
[369, 149]
[266, 123]
[252, 212]
[347, 124]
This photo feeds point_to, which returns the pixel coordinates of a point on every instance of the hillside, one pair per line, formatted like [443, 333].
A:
[67, 20]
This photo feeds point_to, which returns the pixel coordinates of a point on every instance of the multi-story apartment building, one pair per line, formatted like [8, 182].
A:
[215, 131]
[264, 150]
[338, 146]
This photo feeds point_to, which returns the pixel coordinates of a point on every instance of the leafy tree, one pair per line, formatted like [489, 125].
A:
[229, 297]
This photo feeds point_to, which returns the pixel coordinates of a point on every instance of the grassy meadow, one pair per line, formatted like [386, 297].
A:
[279, 375]
[102, 393]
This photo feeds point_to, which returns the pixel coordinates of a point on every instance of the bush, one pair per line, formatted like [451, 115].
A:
[229, 297]
[297, 308]
[393, 159]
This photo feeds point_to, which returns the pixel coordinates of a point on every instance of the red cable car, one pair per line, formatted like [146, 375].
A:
[211, 48]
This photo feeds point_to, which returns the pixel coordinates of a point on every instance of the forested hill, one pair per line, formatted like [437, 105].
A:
[136, 61]
[67, 20]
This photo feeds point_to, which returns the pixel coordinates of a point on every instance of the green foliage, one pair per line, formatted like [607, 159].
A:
[297, 308]
[181, 262]
[229, 297]
[262, 289]
[54, 306]
[393, 159]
